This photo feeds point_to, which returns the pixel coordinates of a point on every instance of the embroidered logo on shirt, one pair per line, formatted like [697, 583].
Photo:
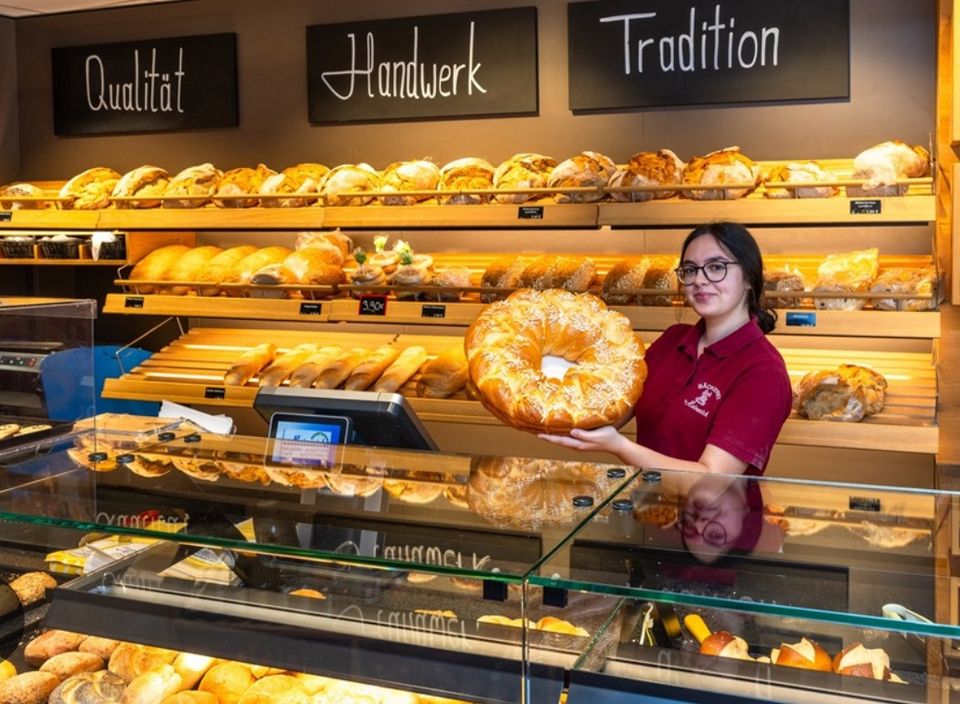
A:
[700, 402]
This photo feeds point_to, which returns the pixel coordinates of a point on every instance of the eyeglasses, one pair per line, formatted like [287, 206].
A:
[714, 271]
[713, 533]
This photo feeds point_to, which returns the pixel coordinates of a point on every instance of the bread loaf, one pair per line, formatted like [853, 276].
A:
[51, 643]
[467, 174]
[333, 238]
[191, 668]
[303, 376]
[218, 268]
[585, 170]
[240, 182]
[625, 275]
[191, 698]
[401, 176]
[848, 272]
[502, 272]
[558, 271]
[228, 681]
[101, 687]
[848, 393]
[803, 172]
[349, 178]
[447, 282]
[186, 267]
[786, 279]
[243, 271]
[199, 182]
[661, 274]
[322, 275]
[89, 190]
[152, 687]
[144, 182]
[296, 265]
[721, 168]
[371, 367]
[101, 647]
[338, 370]
[883, 164]
[249, 363]
[921, 281]
[522, 171]
[276, 689]
[130, 660]
[300, 179]
[28, 688]
[25, 190]
[69, 664]
[32, 586]
[153, 266]
[402, 368]
[444, 376]
[283, 365]
[660, 168]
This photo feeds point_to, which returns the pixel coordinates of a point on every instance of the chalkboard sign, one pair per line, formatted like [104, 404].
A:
[653, 53]
[146, 86]
[472, 63]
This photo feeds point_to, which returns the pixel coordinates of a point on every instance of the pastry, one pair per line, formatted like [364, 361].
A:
[32, 586]
[89, 190]
[300, 179]
[412, 270]
[187, 267]
[144, 183]
[349, 179]
[659, 168]
[194, 186]
[403, 176]
[585, 170]
[623, 280]
[366, 274]
[467, 174]
[718, 169]
[522, 172]
[153, 266]
[882, 165]
[241, 182]
[800, 172]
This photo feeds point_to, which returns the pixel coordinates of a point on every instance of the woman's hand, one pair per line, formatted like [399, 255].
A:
[605, 439]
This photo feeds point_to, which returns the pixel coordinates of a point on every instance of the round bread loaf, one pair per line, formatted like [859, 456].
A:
[228, 681]
[28, 688]
[69, 664]
[51, 643]
[506, 344]
[101, 687]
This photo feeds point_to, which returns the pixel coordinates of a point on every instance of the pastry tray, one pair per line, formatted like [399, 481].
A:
[56, 428]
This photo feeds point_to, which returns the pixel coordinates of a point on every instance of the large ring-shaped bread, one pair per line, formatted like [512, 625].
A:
[506, 345]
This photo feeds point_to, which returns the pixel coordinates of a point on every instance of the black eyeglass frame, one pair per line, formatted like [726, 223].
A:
[679, 271]
[713, 532]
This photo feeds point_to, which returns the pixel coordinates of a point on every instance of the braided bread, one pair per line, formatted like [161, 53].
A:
[506, 345]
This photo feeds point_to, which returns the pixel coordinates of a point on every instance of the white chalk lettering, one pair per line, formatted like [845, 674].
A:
[149, 91]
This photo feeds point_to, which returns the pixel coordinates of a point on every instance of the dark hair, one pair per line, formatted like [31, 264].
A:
[737, 240]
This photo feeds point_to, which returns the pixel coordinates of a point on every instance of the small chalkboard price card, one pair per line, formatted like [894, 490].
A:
[627, 54]
[471, 63]
[153, 85]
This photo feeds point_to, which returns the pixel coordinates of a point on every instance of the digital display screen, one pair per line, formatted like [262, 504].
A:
[307, 440]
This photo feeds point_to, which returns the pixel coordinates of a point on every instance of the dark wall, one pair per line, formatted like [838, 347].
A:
[9, 123]
[893, 79]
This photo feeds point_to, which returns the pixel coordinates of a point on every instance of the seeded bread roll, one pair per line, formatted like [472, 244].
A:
[503, 272]
[69, 664]
[101, 687]
[51, 643]
[153, 266]
[28, 688]
[101, 647]
[32, 586]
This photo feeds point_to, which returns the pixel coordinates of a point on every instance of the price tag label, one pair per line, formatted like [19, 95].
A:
[801, 320]
[373, 305]
[133, 302]
[311, 308]
[864, 503]
[6, 216]
[433, 311]
[873, 206]
[530, 212]
[215, 392]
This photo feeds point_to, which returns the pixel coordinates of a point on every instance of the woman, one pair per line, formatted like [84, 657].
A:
[717, 393]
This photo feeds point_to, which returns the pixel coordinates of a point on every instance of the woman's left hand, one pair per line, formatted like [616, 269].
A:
[605, 439]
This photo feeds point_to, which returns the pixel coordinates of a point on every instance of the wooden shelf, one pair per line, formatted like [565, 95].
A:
[62, 262]
[219, 307]
[190, 370]
[52, 219]
[212, 218]
[464, 216]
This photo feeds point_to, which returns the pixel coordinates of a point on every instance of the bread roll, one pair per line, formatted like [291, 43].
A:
[349, 178]
[191, 668]
[28, 688]
[218, 268]
[101, 647]
[303, 376]
[191, 698]
[467, 174]
[101, 687]
[51, 643]
[261, 671]
[444, 376]
[371, 367]
[522, 171]
[143, 182]
[296, 264]
[153, 266]
[806, 655]
[333, 238]
[276, 689]
[281, 367]
[402, 368]
[625, 275]
[69, 664]
[200, 180]
[585, 170]
[249, 363]
[243, 271]
[502, 272]
[720, 168]
[89, 190]
[186, 267]
[801, 172]
[299, 179]
[725, 645]
[857, 661]
[338, 370]
[131, 660]
[228, 681]
[660, 168]
[240, 182]
[152, 687]
[401, 176]
[32, 586]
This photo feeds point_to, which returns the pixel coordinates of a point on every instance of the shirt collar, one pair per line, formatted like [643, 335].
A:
[734, 342]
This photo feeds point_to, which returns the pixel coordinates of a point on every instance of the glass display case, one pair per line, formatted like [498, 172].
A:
[483, 579]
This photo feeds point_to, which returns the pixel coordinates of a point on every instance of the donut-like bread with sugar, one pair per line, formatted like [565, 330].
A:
[506, 344]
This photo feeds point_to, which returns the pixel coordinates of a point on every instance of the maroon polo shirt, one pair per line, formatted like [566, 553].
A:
[736, 396]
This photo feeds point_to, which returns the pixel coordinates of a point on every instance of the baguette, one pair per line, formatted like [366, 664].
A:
[403, 367]
[152, 687]
[32, 586]
[153, 266]
[69, 664]
[341, 368]
[281, 367]
[187, 266]
[444, 376]
[217, 269]
[249, 363]
[191, 668]
[371, 367]
[303, 376]
[51, 643]
[243, 271]
[28, 688]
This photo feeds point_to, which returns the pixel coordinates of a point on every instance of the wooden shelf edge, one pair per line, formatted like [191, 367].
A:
[62, 262]
[218, 307]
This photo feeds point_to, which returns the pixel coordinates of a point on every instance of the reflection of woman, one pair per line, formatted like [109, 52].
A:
[717, 393]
